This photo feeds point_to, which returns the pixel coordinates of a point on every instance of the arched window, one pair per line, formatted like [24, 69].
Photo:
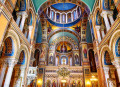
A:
[117, 48]
[98, 18]
[29, 21]
[21, 60]
[107, 60]
[58, 17]
[52, 15]
[74, 15]
[63, 18]
[8, 47]
[106, 4]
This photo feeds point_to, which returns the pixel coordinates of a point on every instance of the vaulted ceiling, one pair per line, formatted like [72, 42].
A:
[38, 3]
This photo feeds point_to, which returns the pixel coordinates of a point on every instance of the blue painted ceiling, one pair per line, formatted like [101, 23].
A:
[63, 6]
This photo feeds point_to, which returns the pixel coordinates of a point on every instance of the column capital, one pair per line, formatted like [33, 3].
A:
[3, 62]
[102, 27]
[106, 69]
[11, 61]
[116, 63]
[106, 13]
[97, 27]
[30, 28]
[24, 14]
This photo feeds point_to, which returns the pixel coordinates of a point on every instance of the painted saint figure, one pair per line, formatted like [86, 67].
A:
[73, 84]
[85, 52]
[54, 84]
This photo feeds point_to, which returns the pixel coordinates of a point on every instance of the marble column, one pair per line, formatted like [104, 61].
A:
[60, 18]
[106, 72]
[11, 62]
[50, 14]
[55, 17]
[116, 63]
[110, 15]
[104, 15]
[66, 18]
[71, 17]
[102, 31]
[24, 16]
[76, 13]
[2, 72]
[30, 32]
[98, 33]
[18, 18]
[20, 81]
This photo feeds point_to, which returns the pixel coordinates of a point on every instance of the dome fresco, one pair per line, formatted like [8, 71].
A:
[63, 6]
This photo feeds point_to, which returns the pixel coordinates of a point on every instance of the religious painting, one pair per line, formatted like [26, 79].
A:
[43, 51]
[54, 84]
[85, 51]
[87, 71]
[77, 28]
[105, 4]
[79, 84]
[49, 28]
[107, 59]
[21, 58]
[51, 59]
[40, 70]
[117, 48]
[98, 19]
[76, 59]
[73, 84]
[48, 83]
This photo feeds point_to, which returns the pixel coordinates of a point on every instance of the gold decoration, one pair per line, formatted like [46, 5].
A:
[63, 72]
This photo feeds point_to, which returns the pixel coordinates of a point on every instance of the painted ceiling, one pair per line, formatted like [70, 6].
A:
[38, 3]
[60, 34]
[63, 6]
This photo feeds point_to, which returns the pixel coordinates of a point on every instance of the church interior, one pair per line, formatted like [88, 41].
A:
[59, 43]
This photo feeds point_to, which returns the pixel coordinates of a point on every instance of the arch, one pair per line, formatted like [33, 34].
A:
[102, 54]
[117, 47]
[67, 39]
[98, 18]
[20, 5]
[65, 30]
[32, 15]
[16, 41]
[24, 48]
[107, 60]
[21, 60]
[45, 4]
[8, 48]
[105, 4]
[113, 41]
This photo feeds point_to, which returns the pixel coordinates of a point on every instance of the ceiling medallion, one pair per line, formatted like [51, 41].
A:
[63, 72]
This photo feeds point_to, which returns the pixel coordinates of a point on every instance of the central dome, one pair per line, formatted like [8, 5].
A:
[63, 6]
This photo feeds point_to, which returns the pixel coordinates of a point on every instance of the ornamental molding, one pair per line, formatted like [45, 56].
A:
[64, 72]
